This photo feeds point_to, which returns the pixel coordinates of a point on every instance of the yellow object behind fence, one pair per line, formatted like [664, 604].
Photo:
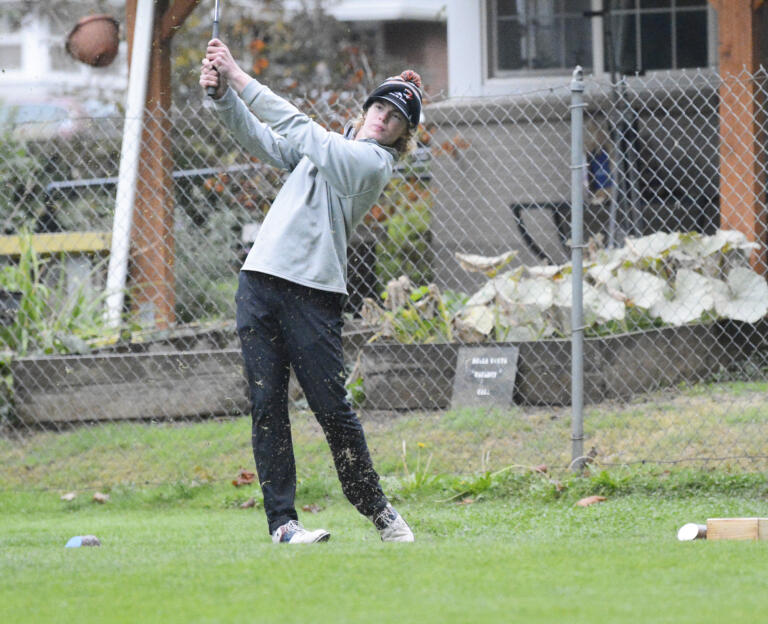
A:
[59, 242]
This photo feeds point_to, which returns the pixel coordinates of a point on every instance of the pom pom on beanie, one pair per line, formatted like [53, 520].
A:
[410, 76]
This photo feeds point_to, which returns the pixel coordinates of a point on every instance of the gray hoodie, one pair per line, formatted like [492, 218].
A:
[334, 181]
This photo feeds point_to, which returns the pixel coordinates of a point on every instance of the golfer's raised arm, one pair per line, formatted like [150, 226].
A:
[257, 138]
[351, 167]
[220, 70]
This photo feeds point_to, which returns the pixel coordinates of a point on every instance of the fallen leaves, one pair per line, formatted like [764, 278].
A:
[69, 496]
[251, 502]
[312, 508]
[244, 477]
[590, 500]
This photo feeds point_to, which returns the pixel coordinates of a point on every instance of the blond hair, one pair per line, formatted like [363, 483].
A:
[404, 145]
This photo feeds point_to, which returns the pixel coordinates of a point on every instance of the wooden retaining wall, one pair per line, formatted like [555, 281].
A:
[175, 384]
[401, 377]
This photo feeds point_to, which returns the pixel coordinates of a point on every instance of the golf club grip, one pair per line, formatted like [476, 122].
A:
[211, 91]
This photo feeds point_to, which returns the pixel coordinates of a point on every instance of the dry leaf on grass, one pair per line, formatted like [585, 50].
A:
[590, 500]
[542, 468]
[312, 508]
[251, 502]
[69, 496]
[99, 497]
[244, 477]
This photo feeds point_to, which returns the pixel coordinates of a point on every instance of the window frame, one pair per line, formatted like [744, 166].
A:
[637, 13]
[536, 78]
[490, 14]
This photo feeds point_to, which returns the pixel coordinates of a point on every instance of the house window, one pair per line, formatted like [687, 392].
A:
[10, 41]
[529, 36]
[10, 56]
[657, 34]
[538, 35]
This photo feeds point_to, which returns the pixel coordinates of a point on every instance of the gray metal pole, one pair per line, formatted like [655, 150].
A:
[577, 250]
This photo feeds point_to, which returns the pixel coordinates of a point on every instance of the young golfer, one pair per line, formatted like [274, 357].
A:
[293, 283]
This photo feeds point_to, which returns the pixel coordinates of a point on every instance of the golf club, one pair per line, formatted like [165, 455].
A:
[211, 91]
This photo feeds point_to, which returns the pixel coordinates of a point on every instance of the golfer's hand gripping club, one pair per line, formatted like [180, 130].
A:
[211, 91]
[221, 70]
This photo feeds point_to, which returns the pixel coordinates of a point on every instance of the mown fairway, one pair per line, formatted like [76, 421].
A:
[195, 557]
[497, 540]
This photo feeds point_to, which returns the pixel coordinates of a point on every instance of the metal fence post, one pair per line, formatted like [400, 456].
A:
[577, 248]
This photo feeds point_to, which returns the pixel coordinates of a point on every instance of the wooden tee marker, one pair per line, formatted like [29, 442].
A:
[726, 529]
[737, 528]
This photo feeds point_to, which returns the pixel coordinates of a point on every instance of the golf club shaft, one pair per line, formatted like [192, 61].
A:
[211, 91]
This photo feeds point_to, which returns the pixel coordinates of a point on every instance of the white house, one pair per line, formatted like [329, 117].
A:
[413, 30]
[471, 47]
[499, 47]
[509, 66]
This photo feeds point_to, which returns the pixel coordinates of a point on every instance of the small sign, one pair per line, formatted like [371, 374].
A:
[485, 376]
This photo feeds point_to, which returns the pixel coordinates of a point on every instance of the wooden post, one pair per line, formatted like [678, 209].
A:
[152, 275]
[742, 139]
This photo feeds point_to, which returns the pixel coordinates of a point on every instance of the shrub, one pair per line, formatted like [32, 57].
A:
[405, 249]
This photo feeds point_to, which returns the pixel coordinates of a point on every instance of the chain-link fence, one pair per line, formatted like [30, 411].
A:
[460, 278]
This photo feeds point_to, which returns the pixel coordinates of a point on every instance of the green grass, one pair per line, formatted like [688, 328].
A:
[199, 558]
[704, 425]
[496, 540]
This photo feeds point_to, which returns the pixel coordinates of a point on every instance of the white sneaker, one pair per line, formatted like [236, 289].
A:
[293, 533]
[391, 526]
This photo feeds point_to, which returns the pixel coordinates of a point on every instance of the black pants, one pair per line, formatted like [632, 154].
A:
[283, 324]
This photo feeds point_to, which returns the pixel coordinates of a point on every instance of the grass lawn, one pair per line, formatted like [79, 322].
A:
[194, 556]
[497, 541]
[723, 425]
